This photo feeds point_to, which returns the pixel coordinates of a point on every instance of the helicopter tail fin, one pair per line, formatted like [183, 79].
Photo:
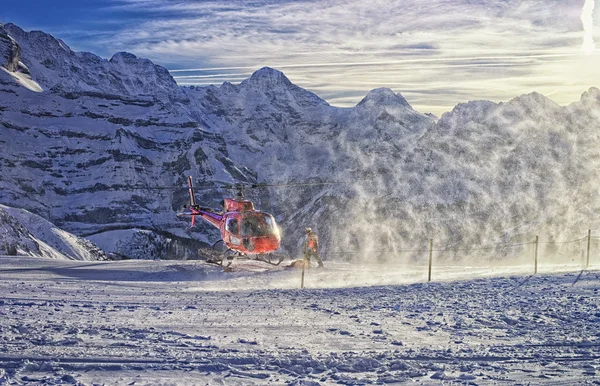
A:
[191, 189]
[192, 198]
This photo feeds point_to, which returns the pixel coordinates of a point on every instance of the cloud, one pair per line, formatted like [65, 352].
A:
[342, 48]
[587, 19]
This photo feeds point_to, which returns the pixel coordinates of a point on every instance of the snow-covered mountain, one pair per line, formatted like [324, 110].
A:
[26, 234]
[56, 67]
[78, 153]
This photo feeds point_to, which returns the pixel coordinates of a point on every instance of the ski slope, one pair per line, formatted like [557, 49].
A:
[189, 323]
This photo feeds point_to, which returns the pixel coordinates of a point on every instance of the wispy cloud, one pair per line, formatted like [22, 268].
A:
[340, 49]
[587, 18]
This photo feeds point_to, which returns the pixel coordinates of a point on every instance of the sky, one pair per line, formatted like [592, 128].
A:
[436, 53]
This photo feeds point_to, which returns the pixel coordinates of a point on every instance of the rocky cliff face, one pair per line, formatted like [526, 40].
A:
[10, 52]
[84, 152]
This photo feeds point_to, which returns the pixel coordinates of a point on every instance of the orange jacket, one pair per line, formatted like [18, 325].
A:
[312, 242]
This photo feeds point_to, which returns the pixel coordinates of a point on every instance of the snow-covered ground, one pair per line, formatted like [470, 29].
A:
[167, 322]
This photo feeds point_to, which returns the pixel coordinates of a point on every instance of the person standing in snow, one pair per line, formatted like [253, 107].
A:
[311, 247]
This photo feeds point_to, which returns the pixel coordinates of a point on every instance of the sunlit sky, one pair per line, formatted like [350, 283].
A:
[436, 53]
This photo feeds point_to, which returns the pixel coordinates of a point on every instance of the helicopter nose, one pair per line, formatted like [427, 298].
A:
[265, 244]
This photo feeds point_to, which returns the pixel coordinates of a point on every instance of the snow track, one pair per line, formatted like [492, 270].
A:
[143, 322]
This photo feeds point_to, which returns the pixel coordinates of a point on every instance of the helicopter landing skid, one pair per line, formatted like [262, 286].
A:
[221, 255]
[266, 258]
[223, 263]
[224, 256]
[226, 261]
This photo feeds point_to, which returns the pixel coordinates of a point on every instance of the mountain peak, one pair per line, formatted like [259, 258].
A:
[11, 27]
[593, 95]
[267, 76]
[383, 96]
[276, 85]
[40, 39]
[534, 99]
[123, 57]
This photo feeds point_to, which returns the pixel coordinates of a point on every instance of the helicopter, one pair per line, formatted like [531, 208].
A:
[244, 230]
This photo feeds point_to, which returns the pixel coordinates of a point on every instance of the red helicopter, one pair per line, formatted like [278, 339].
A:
[245, 231]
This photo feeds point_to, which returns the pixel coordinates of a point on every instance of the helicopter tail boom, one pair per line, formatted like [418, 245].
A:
[194, 210]
[208, 214]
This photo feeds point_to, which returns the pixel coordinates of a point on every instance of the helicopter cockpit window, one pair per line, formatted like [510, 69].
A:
[251, 226]
[254, 226]
[233, 226]
[270, 222]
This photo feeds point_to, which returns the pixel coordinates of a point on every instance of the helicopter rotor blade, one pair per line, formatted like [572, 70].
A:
[295, 184]
[157, 187]
[217, 184]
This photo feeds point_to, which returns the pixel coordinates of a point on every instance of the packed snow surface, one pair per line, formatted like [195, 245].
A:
[165, 322]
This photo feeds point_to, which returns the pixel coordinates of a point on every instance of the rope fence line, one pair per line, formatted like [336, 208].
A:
[380, 251]
[536, 243]
[565, 242]
[450, 249]
[499, 246]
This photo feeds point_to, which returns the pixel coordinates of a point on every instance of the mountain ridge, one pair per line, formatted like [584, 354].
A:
[481, 172]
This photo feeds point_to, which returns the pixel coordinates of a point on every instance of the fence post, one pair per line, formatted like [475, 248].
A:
[587, 262]
[537, 244]
[430, 258]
